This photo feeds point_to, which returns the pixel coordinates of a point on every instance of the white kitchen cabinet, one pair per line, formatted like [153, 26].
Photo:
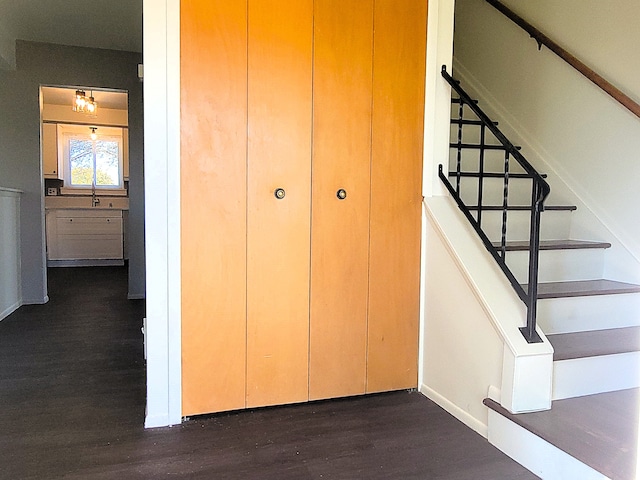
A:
[84, 234]
[50, 151]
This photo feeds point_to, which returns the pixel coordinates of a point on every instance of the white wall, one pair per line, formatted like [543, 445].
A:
[570, 127]
[10, 282]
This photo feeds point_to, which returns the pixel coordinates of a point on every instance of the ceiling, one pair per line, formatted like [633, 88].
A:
[110, 24]
[65, 96]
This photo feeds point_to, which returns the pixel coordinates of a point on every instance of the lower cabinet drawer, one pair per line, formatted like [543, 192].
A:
[83, 247]
[84, 235]
[89, 226]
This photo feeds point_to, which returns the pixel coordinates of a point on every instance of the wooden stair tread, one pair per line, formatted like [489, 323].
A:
[554, 208]
[583, 288]
[519, 246]
[568, 346]
[599, 430]
[500, 175]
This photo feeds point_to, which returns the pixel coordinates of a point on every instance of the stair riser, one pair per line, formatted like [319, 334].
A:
[467, 113]
[470, 160]
[554, 225]
[598, 312]
[471, 134]
[591, 375]
[536, 454]
[493, 190]
[559, 265]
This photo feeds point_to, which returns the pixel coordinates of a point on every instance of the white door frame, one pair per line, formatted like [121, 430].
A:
[161, 50]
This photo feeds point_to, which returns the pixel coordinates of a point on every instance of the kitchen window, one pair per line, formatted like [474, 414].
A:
[92, 157]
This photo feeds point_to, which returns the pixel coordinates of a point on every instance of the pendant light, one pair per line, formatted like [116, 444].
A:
[84, 104]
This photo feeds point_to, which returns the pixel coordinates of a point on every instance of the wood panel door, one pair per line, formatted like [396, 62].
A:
[213, 204]
[278, 229]
[396, 177]
[343, 51]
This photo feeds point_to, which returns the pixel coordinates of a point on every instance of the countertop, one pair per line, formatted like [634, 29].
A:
[54, 202]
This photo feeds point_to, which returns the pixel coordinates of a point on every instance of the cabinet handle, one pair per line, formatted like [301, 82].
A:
[279, 193]
[341, 194]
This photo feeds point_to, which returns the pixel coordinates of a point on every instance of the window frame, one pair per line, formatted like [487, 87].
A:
[66, 133]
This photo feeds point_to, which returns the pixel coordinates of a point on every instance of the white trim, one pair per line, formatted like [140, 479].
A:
[162, 206]
[8, 311]
[465, 417]
[10, 192]
[173, 212]
[536, 454]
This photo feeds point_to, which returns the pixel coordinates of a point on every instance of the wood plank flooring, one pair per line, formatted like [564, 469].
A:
[599, 430]
[72, 396]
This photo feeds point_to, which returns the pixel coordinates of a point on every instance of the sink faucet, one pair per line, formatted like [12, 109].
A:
[95, 200]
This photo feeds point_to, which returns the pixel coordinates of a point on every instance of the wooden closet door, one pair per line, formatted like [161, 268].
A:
[213, 204]
[343, 50]
[278, 242]
[396, 177]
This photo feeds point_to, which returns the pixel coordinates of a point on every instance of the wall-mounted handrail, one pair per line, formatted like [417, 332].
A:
[594, 77]
[539, 191]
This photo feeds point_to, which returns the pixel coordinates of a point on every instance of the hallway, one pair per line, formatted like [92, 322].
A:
[72, 402]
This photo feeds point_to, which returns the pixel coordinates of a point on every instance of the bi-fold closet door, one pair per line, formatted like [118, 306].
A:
[300, 178]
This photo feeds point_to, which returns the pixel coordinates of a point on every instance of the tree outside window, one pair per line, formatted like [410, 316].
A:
[90, 161]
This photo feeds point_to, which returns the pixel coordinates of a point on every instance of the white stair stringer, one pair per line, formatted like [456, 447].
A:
[537, 455]
[577, 377]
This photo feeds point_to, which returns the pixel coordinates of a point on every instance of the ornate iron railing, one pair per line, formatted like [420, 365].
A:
[539, 192]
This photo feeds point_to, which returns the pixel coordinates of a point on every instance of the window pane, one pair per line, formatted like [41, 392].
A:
[81, 161]
[107, 168]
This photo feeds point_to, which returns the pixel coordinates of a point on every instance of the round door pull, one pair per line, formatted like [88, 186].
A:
[341, 194]
[279, 193]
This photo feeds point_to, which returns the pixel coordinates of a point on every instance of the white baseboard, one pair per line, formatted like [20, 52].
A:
[536, 454]
[157, 421]
[465, 417]
[10, 309]
[35, 301]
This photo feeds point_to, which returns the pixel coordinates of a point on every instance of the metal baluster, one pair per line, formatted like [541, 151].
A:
[481, 173]
[459, 158]
[505, 204]
[529, 331]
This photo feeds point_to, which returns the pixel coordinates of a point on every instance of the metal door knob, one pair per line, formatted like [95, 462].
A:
[341, 194]
[279, 193]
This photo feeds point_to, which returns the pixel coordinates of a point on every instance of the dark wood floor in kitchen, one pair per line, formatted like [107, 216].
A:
[72, 396]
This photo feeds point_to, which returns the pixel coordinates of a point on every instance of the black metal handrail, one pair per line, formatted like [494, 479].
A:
[539, 191]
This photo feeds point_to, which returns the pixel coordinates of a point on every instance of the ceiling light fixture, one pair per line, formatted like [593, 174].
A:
[94, 135]
[84, 104]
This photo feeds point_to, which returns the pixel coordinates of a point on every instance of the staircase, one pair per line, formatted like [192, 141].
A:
[593, 323]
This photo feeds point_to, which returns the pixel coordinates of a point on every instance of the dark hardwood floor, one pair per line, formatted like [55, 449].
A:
[72, 396]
